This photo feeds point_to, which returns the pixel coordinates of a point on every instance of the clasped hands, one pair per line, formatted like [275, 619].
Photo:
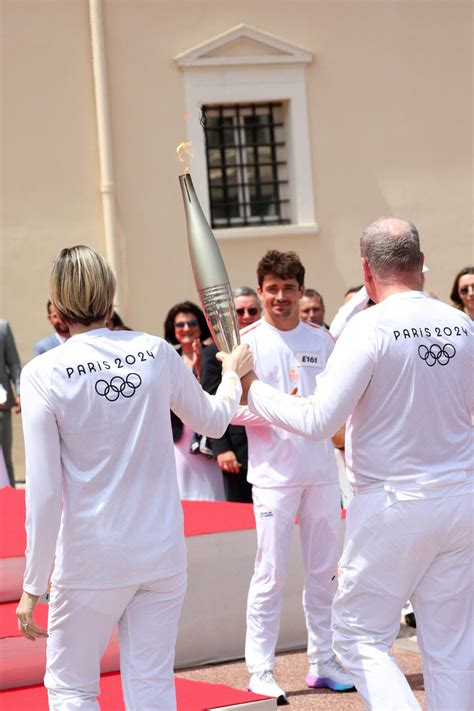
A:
[240, 361]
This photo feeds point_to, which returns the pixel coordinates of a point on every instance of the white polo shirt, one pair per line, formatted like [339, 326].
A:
[100, 460]
[402, 372]
[287, 360]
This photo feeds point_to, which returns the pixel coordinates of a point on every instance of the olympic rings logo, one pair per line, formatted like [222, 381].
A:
[118, 386]
[437, 354]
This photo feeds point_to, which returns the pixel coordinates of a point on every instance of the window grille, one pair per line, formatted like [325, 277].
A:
[246, 164]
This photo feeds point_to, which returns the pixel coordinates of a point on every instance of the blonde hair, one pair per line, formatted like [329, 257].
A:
[82, 286]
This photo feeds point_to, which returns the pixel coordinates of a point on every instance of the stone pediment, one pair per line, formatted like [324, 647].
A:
[243, 45]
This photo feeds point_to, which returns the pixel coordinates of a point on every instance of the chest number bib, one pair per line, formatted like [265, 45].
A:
[309, 359]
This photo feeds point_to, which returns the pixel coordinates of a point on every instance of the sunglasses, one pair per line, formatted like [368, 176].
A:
[465, 289]
[182, 324]
[253, 311]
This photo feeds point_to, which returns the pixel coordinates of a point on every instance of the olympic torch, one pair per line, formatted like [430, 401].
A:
[209, 271]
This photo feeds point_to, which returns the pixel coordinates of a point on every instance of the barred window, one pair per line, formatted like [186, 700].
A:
[246, 164]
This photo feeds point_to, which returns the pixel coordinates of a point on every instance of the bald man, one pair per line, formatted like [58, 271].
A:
[400, 373]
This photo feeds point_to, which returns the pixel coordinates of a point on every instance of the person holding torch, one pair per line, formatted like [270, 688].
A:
[102, 496]
[401, 372]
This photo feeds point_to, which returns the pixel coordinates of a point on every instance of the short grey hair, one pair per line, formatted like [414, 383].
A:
[244, 291]
[390, 246]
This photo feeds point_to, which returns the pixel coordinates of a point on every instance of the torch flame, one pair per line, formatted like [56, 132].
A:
[185, 154]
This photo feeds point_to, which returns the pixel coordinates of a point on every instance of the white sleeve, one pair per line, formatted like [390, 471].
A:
[43, 481]
[209, 415]
[244, 417]
[358, 302]
[338, 389]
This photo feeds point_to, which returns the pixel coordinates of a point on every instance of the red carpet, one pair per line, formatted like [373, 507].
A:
[200, 517]
[12, 515]
[191, 696]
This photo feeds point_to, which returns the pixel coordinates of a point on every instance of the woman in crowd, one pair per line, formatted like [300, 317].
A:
[199, 475]
[102, 500]
[462, 294]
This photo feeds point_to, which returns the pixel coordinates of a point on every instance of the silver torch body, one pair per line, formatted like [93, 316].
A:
[209, 271]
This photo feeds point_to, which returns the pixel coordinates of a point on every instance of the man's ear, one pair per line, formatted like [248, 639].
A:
[367, 270]
[369, 283]
[259, 290]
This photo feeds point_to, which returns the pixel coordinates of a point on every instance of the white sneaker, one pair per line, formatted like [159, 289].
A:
[264, 683]
[329, 674]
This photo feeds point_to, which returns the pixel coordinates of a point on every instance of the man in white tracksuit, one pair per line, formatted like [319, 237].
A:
[402, 372]
[291, 476]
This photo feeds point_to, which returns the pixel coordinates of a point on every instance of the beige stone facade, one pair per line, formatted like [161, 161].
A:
[386, 123]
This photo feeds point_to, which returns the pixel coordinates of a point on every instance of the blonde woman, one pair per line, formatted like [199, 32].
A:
[102, 498]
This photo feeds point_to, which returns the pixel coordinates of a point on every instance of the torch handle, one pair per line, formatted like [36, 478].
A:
[217, 303]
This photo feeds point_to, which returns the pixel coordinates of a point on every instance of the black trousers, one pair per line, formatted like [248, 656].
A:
[237, 488]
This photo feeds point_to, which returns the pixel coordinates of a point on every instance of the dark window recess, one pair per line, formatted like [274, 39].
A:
[246, 164]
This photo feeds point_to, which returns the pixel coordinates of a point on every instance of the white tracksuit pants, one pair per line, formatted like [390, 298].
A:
[399, 547]
[80, 625]
[318, 510]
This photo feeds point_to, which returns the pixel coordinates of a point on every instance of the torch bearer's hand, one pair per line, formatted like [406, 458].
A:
[240, 360]
[24, 613]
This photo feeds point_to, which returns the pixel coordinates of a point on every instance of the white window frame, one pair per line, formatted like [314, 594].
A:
[276, 76]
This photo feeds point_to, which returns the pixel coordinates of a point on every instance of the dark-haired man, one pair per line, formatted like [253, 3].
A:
[312, 307]
[291, 476]
[60, 335]
[400, 372]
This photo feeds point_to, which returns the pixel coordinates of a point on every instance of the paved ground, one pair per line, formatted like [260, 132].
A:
[291, 670]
